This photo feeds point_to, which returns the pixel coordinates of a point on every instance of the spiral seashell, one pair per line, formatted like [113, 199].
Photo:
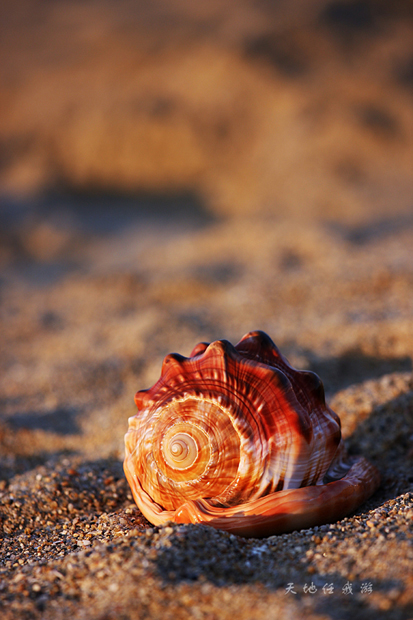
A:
[236, 438]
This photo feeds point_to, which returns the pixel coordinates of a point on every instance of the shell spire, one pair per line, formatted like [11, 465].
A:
[235, 437]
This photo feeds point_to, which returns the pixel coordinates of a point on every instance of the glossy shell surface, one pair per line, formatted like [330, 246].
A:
[235, 437]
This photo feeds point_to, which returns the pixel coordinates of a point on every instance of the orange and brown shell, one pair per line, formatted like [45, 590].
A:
[237, 438]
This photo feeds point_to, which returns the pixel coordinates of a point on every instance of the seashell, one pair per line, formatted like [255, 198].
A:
[236, 438]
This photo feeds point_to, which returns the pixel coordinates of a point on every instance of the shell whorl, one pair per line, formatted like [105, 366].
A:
[230, 424]
[180, 455]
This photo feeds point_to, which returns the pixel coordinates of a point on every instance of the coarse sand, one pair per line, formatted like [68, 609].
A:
[176, 172]
[76, 348]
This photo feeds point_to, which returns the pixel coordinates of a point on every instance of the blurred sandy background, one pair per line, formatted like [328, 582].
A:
[175, 171]
[276, 107]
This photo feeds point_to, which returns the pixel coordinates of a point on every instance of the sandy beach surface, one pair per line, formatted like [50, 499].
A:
[171, 174]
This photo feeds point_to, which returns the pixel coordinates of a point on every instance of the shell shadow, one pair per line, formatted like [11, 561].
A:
[194, 553]
[198, 552]
[386, 439]
[353, 367]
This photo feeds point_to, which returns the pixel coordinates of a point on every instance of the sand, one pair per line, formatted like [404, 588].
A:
[292, 216]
